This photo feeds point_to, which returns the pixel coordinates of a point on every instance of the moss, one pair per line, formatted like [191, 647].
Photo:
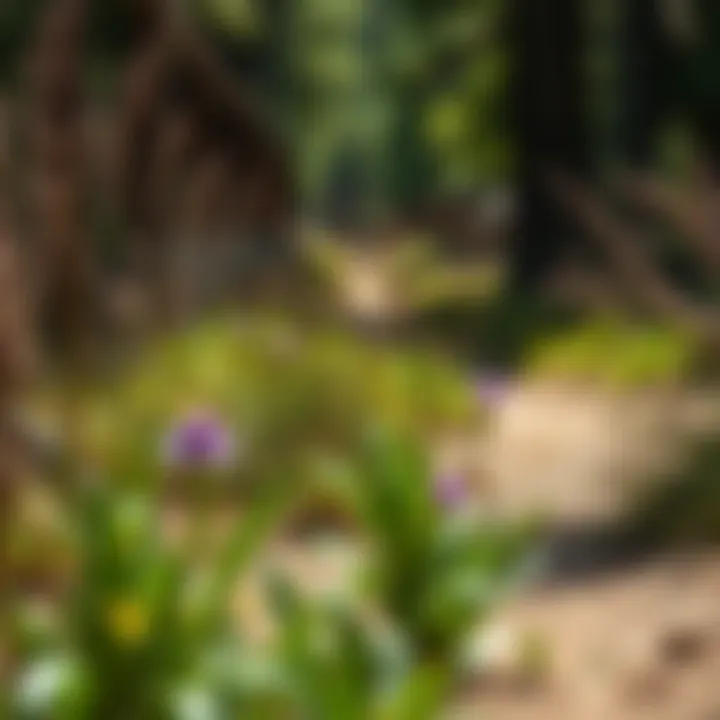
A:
[615, 354]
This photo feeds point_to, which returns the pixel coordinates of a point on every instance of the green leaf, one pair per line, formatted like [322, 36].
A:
[398, 501]
[252, 531]
[237, 17]
[421, 696]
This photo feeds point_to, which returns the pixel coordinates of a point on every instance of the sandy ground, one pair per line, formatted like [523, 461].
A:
[644, 644]
[575, 455]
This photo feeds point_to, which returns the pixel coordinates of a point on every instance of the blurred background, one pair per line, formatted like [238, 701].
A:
[365, 340]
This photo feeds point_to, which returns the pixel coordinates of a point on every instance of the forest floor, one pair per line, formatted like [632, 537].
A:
[624, 642]
[641, 641]
[638, 641]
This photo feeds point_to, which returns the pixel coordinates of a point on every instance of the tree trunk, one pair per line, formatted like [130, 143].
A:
[699, 83]
[643, 100]
[550, 129]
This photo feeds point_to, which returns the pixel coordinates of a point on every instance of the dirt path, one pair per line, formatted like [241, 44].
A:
[576, 455]
[644, 644]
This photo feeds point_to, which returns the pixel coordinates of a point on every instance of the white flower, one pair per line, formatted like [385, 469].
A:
[495, 647]
[44, 683]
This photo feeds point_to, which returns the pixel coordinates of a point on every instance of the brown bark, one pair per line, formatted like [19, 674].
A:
[64, 271]
[693, 212]
[626, 251]
[17, 352]
[550, 129]
[176, 74]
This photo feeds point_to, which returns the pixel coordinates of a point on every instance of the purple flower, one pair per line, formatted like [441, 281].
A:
[451, 491]
[201, 441]
[492, 389]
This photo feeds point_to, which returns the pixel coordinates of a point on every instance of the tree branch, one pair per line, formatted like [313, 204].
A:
[695, 214]
[624, 249]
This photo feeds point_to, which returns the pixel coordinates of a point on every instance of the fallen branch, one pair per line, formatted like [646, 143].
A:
[625, 249]
[694, 213]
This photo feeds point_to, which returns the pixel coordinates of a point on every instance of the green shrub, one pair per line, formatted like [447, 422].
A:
[137, 632]
[616, 355]
[277, 387]
[147, 631]
[436, 573]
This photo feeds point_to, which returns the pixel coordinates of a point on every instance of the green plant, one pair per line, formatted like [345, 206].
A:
[276, 385]
[436, 574]
[147, 631]
[143, 621]
[615, 354]
[336, 667]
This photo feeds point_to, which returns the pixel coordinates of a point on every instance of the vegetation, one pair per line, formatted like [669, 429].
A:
[163, 433]
[147, 627]
[615, 355]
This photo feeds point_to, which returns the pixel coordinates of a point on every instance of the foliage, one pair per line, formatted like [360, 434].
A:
[336, 667]
[616, 354]
[435, 572]
[415, 91]
[139, 630]
[276, 387]
[238, 18]
[148, 632]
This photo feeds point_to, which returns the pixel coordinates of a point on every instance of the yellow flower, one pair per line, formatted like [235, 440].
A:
[127, 622]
